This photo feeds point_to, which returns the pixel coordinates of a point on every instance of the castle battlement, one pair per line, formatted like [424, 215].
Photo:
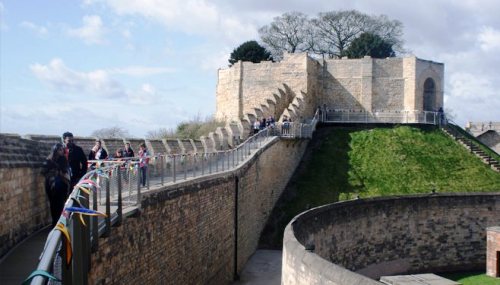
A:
[299, 83]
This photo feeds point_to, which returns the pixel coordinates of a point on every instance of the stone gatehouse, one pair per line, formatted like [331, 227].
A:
[300, 83]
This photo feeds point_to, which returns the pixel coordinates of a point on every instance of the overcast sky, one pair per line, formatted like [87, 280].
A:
[147, 64]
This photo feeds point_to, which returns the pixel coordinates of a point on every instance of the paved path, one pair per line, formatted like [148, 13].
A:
[23, 259]
[263, 268]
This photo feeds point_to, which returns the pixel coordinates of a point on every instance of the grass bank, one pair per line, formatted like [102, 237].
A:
[472, 278]
[344, 162]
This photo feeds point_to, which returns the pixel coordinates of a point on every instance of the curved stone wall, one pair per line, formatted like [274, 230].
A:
[23, 203]
[386, 236]
[199, 231]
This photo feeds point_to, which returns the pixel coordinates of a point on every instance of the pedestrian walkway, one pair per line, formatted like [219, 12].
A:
[263, 268]
[22, 260]
[17, 265]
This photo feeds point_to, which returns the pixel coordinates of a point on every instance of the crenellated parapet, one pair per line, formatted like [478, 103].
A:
[299, 84]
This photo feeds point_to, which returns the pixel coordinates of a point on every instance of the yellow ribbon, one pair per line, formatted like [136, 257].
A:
[64, 230]
[86, 190]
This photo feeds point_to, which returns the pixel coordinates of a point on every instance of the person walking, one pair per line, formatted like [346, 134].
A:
[76, 159]
[143, 162]
[57, 181]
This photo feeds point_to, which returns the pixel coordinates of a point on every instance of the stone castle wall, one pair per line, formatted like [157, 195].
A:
[186, 234]
[388, 236]
[23, 203]
[486, 132]
[366, 84]
[491, 139]
[247, 85]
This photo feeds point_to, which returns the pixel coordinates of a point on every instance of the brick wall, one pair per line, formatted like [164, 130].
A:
[23, 203]
[388, 236]
[185, 233]
[493, 251]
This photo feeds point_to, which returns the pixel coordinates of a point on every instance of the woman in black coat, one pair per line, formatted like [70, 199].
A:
[57, 181]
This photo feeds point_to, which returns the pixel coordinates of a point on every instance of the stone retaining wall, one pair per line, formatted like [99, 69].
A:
[186, 233]
[23, 203]
[388, 236]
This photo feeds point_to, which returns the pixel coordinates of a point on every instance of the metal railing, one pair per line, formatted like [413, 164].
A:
[395, 117]
[116, 185]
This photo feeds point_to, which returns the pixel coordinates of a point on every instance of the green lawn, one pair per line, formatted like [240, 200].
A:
[342, 163]
[472, 278]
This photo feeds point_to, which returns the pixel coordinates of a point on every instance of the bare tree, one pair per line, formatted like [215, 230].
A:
[111, 133]
[390, 31]
[286, 33]
[162, 133]
[190, 129]
[329, 34]
[335, 30]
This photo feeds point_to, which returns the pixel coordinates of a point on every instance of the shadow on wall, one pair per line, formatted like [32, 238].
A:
[336, 94]
[322, 175]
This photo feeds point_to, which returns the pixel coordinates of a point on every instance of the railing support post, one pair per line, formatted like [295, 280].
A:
[184, 164]
[202, 163]
[95, 225]
[119, 211]
[162, 168]
[79, 265]
[173, 169]
[108, 210]
[139, 177]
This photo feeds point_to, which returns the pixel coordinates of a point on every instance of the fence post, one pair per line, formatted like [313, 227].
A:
[202, 162]
[108, 210]
[95, 225]
[148, 174]
[217, 162]
[139, 174]
[66, 272]
[174, 170]
[194, 165]
[79, 241]
[162, 168]
[119, 211]
[209, 161]
[184, 166]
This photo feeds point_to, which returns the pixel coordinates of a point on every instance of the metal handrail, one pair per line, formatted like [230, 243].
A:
[398, 117]
[223, 160]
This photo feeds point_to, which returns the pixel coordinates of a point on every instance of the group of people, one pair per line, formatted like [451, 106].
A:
[259, 125]
[67, 163]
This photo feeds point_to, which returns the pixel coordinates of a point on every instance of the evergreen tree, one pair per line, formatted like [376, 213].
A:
[249, 51]
[369, 44]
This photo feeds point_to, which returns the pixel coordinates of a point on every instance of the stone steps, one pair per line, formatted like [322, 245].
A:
[485, 158]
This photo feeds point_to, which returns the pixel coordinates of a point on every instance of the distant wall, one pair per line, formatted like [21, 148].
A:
[186, 233]
[23, 203]
[388, 236]
[491, 139]
[368, 84]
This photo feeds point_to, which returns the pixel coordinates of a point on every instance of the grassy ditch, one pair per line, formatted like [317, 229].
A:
[345, 162]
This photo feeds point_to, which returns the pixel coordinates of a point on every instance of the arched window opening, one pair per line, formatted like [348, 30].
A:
[429, 95]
